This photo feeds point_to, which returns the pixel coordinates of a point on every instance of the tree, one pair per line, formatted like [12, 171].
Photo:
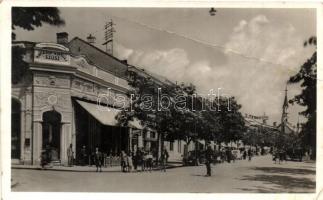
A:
[146, 105]
[231, 120]
[307, 98]
[193, 117]
[29, 18]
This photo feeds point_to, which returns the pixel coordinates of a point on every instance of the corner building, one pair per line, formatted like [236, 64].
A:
[54, 103]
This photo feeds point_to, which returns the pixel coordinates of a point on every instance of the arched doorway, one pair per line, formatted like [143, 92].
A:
[15, 129]
[52, 133]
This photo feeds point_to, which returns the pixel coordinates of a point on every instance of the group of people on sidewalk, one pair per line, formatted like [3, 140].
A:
[140, 160]
[233, 155]
[280, 155]
[132, 161]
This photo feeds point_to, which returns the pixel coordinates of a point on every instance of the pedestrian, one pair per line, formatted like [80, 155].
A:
[223, 157]
[98, 159]
[244, 154]
[249, 154]
[149, 161]
[129, 162]
[163, 159]
[134, 159]
[144, 161]
[228, 154]
[208, 157]
[83, 156]
[285, 155]
[275, 155]
[281, 156]
[123, 163]
[138, 159]
[43, 159]
[70, 155]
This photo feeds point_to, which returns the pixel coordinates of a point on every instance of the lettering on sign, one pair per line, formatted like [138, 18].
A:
[256, 117]
[53, 57]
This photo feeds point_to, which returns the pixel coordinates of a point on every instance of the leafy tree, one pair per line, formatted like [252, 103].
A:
[185, 124]
[307, 98]
[231, 120]
[19, 66]
[147, 106]
[29, 18]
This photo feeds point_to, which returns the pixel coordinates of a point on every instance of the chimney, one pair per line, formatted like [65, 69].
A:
[62, 38]
[91, 39]
[274, 124]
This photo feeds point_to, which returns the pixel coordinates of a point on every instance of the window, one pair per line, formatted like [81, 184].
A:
[152, 135]
[171, 146]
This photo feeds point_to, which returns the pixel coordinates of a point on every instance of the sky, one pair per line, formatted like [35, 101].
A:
[248, 53]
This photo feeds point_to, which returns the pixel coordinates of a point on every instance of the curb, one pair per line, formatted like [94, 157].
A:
[87, 170]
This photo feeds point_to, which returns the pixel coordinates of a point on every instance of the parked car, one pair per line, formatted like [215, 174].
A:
[194, 158]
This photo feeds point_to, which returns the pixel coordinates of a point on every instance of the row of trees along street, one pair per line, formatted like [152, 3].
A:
[187, 116]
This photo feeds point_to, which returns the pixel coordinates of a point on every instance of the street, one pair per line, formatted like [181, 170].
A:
[259, 175]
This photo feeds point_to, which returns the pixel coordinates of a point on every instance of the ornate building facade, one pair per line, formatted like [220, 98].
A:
[54, 104]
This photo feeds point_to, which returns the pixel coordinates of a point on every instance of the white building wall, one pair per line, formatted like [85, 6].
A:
[176, 149]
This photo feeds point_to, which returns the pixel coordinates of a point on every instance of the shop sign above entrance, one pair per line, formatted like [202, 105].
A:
[52, 54]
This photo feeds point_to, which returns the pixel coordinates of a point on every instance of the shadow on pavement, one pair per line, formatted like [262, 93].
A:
[281, 170]
[258, 189]
[281, 183]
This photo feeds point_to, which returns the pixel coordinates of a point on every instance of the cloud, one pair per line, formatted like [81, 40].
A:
[261, 38]
[280, 53]
[258, 86]
[175, 65]
[122, 52]
[170, 63]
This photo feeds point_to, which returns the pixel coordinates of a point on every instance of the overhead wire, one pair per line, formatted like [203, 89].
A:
[201, 42]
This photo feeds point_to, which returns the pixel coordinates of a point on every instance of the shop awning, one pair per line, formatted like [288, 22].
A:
[106, 115]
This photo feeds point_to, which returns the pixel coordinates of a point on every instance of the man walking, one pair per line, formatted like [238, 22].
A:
[208, 157]
[163, 159]
[98, 159]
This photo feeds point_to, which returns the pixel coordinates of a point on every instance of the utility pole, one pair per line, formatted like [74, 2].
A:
[108, 36]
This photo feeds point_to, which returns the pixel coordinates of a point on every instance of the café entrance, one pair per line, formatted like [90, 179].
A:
[52, 133]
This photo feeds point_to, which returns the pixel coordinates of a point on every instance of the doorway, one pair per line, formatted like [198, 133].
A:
[52, 133]
[15, 129]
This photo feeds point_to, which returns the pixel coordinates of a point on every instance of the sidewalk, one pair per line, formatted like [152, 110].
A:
[76, 168]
